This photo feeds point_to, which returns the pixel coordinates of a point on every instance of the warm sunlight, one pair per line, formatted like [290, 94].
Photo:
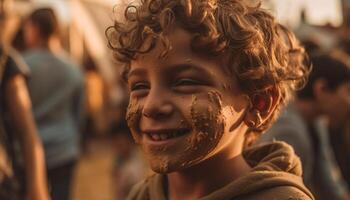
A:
[317, 12]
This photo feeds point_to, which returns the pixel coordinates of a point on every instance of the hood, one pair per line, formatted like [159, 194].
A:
[276, 156]
[273, 165]
[276, 173]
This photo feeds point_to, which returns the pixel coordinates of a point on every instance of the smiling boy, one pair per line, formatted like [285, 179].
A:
[204, 76]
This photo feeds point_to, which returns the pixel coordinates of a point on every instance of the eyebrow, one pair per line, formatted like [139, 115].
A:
[175, 68]
[186, 66]
[136, 72]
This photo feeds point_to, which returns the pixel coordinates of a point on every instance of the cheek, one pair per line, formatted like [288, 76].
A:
[344, 93]
[346, 98]
[209, 115]
[133, 115]
[206, 115]
[208, 124]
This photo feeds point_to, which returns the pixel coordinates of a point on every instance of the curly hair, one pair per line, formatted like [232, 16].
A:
[263, 55]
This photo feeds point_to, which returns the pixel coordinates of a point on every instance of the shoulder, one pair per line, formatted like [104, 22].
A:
[31, 56]
[11, 69]
[281, 193]
[12, 63]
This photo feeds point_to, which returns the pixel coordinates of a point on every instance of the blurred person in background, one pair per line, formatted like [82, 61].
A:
[17, 126]
[130, 167]
[56, 89]
[18, 40]
[339, 128]
[340, 141]
[301, 126]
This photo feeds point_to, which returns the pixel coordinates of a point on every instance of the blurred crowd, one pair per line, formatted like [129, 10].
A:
[54, 106]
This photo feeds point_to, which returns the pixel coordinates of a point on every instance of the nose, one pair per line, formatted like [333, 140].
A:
[157, 105]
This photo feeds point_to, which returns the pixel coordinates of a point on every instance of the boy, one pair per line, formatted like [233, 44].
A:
[204, 76]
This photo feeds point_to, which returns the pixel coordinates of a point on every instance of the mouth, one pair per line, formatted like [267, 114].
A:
[164, 135]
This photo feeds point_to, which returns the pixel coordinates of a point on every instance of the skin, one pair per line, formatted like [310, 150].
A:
[335, 104]
[339, 109]
[32, 37]
[185, 91]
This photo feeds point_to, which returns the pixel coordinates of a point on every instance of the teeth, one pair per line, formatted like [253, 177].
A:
[163, 136]
[176, 134]
[155, 137]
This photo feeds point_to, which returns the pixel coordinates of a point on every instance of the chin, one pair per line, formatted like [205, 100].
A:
[161, 170]
[164, 167]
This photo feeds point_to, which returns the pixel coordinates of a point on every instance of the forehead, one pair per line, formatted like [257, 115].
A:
[180, 53]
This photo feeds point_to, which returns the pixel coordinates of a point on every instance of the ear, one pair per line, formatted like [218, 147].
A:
[262, 107]
[320, 89]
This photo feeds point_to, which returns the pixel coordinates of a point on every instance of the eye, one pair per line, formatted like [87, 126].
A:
[186, 82]
[139, 86]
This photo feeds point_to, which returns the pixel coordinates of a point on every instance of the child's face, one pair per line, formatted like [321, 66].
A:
[184, 108]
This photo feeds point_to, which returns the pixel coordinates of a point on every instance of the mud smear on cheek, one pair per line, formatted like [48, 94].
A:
[133, 117]
[207, 124]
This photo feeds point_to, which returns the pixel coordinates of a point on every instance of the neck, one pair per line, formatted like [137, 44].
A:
[39, 45]
[208, 176]
[52, 44]
[55, 45]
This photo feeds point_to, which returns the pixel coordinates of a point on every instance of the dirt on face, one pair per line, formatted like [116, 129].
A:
[207, 123]
[133, 115]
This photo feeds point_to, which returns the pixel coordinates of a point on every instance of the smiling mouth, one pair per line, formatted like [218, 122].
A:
[166, 135]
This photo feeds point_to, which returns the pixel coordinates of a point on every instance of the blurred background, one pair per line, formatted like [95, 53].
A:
[109, 160]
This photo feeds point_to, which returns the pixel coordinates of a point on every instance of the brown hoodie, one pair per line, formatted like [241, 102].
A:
[275, 175]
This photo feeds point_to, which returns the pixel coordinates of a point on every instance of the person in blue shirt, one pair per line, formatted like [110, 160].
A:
[56, 90]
